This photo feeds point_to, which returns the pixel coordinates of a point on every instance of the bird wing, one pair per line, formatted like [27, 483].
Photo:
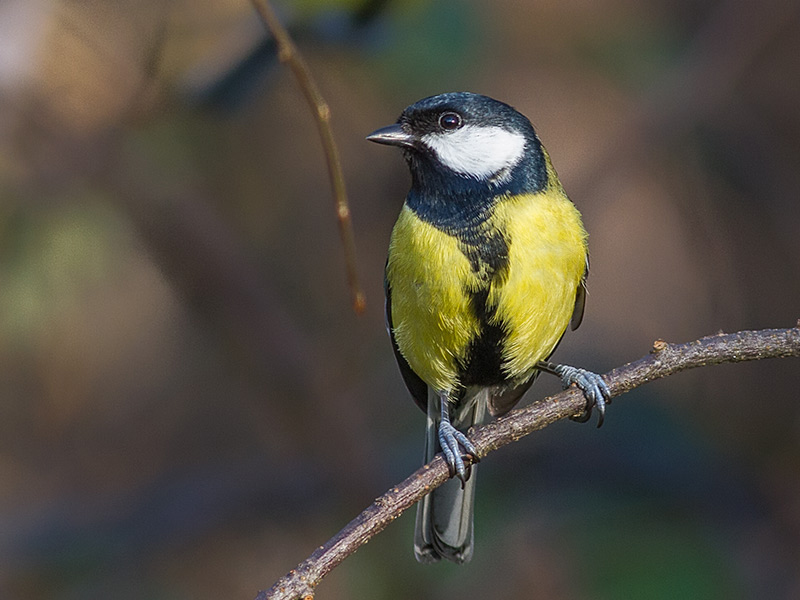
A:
[415, 385]
[580, 300]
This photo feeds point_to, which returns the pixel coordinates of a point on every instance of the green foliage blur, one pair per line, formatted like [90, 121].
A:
[189, 405]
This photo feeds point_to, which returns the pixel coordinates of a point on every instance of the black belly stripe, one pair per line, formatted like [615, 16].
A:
[488, 256]
[487, 251]
[484, 357]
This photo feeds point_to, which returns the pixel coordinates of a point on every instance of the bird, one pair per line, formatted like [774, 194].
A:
[486, 269]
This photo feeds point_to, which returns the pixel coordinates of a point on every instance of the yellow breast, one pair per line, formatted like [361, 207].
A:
[547, 258]
[431, 282]
[433, 323]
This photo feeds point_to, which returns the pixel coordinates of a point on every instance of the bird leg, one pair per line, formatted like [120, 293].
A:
[451, 440]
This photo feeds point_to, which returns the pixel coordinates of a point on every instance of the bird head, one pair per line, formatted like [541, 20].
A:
[463, 140]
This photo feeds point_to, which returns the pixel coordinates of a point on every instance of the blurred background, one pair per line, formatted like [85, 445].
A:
[188, 403]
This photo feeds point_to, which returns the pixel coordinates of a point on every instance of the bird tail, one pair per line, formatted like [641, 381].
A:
[444, 517]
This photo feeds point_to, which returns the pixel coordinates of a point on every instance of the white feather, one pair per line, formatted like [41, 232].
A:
[479, 152]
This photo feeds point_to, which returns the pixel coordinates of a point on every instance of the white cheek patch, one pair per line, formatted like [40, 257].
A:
[479, 152]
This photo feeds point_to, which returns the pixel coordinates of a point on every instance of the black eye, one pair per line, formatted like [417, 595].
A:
[450, 121]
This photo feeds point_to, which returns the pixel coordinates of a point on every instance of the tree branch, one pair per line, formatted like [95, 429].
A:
[664, 359]
[289, 54]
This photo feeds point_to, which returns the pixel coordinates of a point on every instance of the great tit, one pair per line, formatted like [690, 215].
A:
[487, 267]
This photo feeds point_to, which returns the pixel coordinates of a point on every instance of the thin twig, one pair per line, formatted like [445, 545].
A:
[289, 54]
[665, 359]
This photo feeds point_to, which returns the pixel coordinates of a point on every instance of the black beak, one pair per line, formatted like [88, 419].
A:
[393, 135]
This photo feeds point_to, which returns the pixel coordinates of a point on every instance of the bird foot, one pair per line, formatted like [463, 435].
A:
[592, 385]
[451, 441]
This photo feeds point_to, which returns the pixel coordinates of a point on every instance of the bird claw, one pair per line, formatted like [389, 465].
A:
[592, 385]
[451, 441]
